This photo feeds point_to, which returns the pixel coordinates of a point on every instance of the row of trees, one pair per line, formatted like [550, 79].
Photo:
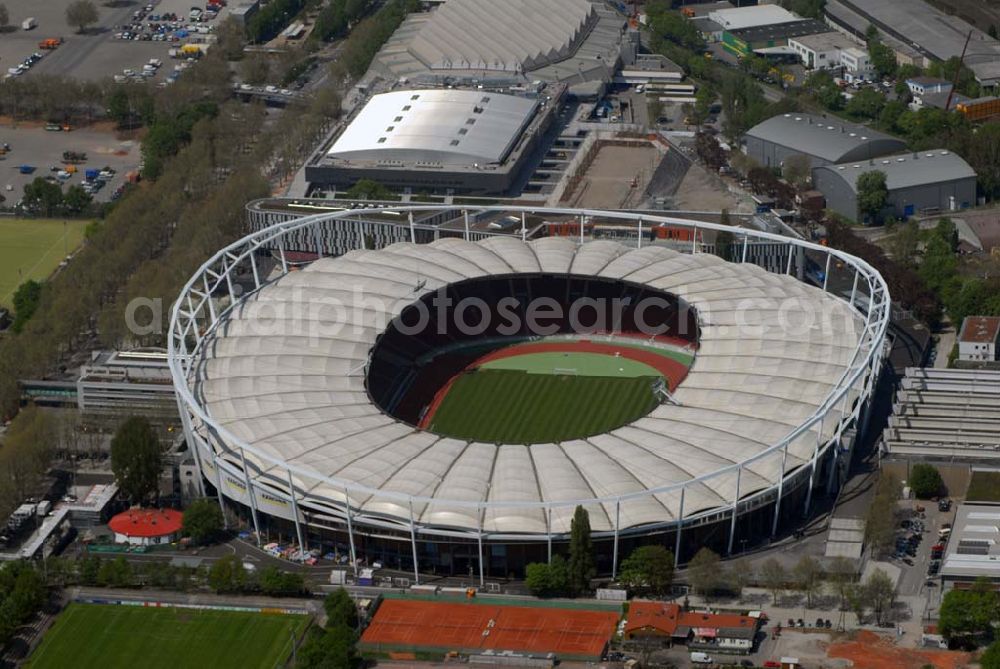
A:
[22, 594]
[561, 576]
[334, 645]
[227, 575]
[45, 198]
[336, 17]
[881, 516]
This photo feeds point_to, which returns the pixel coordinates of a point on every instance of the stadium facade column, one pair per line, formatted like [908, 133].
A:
[295, 514]
[548, 533]
[639, 238]
[208, 300]
[826, 273]
[873, 379]
[781, 487]
[218, 488]
[680, 526]
[746, 247]
[229, 279]
[253, 498]
[694, 240]
[524, 228]
[465, 217]
[281, 254]
[413, 545]
[854, 288]
[195, 448]
[736, 505]
[413, 230]
[614, 552]
[256, 272]
[583, 222]
[788, 266]
[350, 531]
[479, 540]
[812, 466]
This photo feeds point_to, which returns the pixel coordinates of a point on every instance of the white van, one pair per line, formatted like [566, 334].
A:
[697, 657]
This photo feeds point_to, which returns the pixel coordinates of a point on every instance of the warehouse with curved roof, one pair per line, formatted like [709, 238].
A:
[824, 140]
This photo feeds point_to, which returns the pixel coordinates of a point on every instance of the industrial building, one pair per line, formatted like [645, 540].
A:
[919, 33]
[824, 140]
[458, 140]
[979, 339]
[754, 16]
[126, 382]
[768, 39]
[668, 624]
[945, 415]
[973, 551]
[517, 42]
[920, 182]
[833, 51]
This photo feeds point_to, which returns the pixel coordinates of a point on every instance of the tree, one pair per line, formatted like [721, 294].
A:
[648, 569]
[202, 521]
[81, 13]
[808, 575]
[4, 17]
[867, 103]
[274, 582]
[925, 481]
[773, 577]
[136, 459]
[872, 194]
[841, 575]
[991, 658]
[581, 553]
[881, 593]
[547, 579]
[968, 613]
[332, 648]
[76, 200]
[704, 572]
[340, 609]
[367, 189]
[227, 575]
[26, 299]
[797, 170]
[40, 196]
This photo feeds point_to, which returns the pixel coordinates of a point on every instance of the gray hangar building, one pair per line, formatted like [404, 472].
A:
[826, 141]
[472, 141]
[919, 182]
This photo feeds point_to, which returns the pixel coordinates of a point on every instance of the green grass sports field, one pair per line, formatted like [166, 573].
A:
[586, 364]
[32, 249]
[516, 407]
[100, 635]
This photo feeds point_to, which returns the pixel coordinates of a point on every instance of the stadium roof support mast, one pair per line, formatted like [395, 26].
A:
[736, 507]
[781, 485]
[614, 555]
[413, 545]
[295, 514]
[350, 530]
[680, 527]
[253, 499]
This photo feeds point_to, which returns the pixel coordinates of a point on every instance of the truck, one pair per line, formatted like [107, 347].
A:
[29, 23]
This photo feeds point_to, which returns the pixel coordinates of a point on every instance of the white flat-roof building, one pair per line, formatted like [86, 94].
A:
[752, 17]
[979, 338]
[830, 51]
[973, 550]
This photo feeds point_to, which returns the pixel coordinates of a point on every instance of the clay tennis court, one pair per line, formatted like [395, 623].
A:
[447, 626]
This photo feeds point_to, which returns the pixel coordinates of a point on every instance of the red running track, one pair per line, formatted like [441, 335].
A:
[673, 371]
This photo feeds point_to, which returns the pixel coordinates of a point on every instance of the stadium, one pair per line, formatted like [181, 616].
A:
[445, 406]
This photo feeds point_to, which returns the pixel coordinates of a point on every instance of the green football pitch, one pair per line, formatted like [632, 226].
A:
[567, 363]
[102, 635]
[517, 407]
[32, 249]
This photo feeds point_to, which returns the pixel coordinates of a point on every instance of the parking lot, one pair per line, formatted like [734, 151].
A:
[914, 556]
[31, 144]
[101, 52]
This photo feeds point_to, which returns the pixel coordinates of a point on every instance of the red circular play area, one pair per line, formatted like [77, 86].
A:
[147, 522]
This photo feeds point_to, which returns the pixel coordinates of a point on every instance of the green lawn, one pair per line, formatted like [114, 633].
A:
[515, 407]
[584, 364]
[32, 249]
[101, 635]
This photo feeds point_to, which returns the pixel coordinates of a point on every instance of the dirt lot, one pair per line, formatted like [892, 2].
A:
[701, 191]
[31, 144]
[94, 55]
[870, 651]
[608, 182]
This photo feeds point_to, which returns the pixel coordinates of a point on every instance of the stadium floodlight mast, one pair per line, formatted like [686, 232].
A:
[256, 477]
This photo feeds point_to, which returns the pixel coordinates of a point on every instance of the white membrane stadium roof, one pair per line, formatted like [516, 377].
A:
[510, 35]
[284, 373]
[449, 126]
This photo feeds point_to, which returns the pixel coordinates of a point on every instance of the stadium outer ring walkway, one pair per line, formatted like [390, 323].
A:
[195, 317]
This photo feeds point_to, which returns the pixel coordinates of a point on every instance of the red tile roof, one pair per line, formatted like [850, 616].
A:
[980, 329]
[147, 522]
[667, 617]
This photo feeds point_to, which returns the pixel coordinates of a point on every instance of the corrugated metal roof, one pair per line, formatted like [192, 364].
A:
[449, 126]
[828, 138]
[751, 17]
[906, 170]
